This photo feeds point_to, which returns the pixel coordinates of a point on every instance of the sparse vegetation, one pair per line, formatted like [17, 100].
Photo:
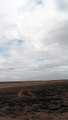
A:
[51, 99]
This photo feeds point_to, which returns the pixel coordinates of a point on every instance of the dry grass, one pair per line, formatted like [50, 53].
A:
[34, 100]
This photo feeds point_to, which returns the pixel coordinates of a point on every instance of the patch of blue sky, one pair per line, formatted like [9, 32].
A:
[15, 42]
[40, 59]
[4, 49]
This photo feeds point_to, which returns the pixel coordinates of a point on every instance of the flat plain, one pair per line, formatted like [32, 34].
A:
[36, 100]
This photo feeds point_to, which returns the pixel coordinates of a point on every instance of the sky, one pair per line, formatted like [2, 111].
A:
[33, 40]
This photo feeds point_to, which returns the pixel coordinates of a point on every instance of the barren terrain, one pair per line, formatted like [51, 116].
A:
[41, 100]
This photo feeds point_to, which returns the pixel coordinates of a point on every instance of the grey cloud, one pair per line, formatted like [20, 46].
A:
[52, 76]
[61, 35]
[39, 1]
[62, 5]
[56, 58]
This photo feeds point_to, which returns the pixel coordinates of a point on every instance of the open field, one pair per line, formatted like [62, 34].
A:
[41, 100]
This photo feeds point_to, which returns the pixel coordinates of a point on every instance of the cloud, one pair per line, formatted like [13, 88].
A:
[62, 5]
[33, 39]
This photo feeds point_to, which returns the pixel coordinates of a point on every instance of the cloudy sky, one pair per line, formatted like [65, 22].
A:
[33, 39]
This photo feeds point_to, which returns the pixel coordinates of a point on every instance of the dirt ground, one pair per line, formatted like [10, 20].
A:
[37, 100]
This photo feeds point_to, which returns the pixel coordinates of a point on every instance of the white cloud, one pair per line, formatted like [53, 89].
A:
[33, 40]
